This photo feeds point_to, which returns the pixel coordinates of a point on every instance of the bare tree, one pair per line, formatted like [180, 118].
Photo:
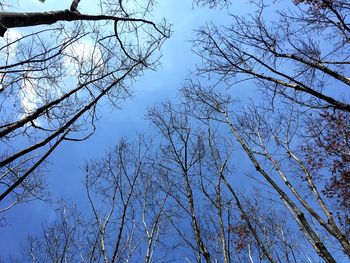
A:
[53, 79]
[301, 54]
[198, 178]
[276, 155]
[189, 199]
[62, 241]
[127, 220]
[141, 199]
[181, 152]
[113, 183]
[127, 209]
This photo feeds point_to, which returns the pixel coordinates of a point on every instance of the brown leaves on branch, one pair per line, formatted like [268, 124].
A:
[328, 157]
[315, 4]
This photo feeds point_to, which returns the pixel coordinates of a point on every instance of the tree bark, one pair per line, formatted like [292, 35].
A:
[13, 20]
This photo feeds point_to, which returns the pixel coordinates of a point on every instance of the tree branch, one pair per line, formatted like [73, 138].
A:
[13, 20]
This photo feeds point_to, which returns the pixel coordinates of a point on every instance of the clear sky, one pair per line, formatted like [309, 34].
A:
[64, 173]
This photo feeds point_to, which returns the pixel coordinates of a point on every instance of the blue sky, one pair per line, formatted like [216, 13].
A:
[65, 168]
[64, 173]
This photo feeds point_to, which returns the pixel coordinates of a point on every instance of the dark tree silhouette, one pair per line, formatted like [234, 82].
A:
[285, 56]
[54, 77]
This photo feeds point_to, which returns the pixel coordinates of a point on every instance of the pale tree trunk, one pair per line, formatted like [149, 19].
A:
[314, 238]
[220, 170]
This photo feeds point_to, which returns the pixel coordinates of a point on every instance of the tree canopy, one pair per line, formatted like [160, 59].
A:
[250, 163]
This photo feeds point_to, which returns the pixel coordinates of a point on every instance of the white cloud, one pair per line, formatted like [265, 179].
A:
[77, 55]
[10, 50]
[29, 97]
[12, 35]
[81, 53]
